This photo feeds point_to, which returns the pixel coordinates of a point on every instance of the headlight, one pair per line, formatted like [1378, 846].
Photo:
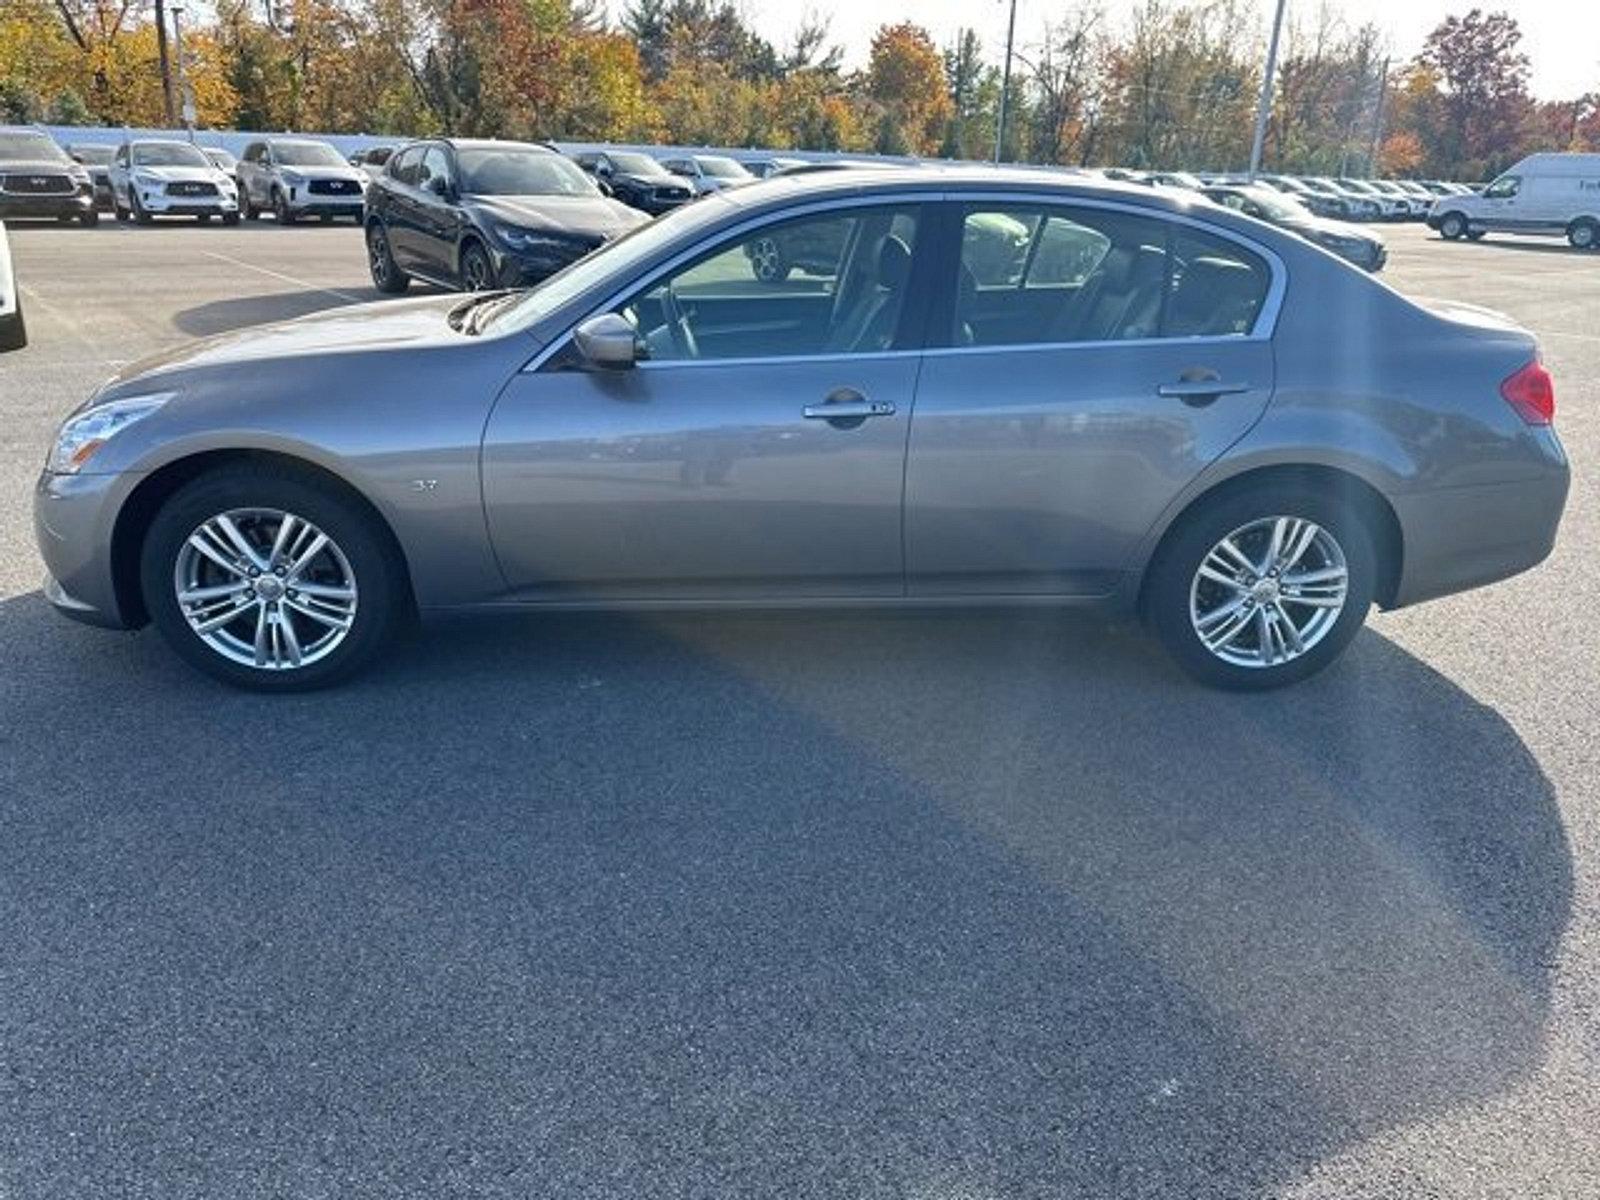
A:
[82, 436]
[293, 178]
[528, 240]
[146, 180]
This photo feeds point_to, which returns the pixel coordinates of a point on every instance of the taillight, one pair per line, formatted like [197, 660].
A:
[1532, 393]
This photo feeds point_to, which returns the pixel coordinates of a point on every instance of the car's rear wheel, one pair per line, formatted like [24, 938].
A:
[1583, 234]
[1453, 226]
[1262, 587]
[247, 206]
[280, 207]
[477, 272]
[386, 276]
[267, 579]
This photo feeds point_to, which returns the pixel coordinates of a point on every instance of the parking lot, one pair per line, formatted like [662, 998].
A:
[801, 906]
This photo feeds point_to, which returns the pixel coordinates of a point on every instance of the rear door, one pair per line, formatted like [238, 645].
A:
[1078, 391]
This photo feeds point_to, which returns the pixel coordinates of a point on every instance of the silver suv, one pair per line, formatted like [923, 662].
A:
[299, 177]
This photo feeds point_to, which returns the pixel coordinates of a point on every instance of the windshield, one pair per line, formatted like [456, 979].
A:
[29, 146]
[306, 154]
[98, 155]
[222, 158]
[615, 258]
[518, 172]
[722, 168]
[167, 154]
[636, 164]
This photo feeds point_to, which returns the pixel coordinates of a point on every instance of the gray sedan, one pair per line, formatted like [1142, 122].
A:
[1146, 402]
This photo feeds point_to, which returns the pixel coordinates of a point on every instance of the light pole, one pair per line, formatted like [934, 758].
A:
[1264, 107]
[185, 97]
[1005, 84]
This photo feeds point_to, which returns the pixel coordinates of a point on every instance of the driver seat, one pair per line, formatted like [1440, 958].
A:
[868, 323]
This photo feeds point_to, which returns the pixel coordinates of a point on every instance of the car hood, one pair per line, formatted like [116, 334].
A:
[1326, 227]
[597, 217]
[38, 166]
[360, 328]
[181, 174]
[652, 181]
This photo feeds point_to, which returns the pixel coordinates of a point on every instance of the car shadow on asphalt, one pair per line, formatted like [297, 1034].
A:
[224, 316]
[837, 906]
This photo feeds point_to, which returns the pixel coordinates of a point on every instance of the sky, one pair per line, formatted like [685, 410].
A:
[1560, 37]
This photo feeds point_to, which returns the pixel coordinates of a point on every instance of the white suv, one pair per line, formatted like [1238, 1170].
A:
[299, 177]
[156, 178]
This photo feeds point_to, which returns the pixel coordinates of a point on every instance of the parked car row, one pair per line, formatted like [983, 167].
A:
[1344, 198]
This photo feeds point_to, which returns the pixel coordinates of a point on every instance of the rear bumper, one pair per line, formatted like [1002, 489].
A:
[1462, 538]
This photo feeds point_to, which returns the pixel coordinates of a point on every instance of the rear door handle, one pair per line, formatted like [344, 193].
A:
[848, 410]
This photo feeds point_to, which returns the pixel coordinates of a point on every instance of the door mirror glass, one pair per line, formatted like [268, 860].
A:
[608, 341]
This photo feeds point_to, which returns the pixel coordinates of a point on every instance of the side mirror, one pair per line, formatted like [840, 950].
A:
[440, 186]
[607, 340]
[603, 170]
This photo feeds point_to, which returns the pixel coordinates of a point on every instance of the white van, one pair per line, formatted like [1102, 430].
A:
[1556, 195]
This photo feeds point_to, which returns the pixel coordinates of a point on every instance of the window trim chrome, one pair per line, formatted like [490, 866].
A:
[1263, 330]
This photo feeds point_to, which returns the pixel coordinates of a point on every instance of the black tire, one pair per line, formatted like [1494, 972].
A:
[1584, 234]
[1453, 226]
[202, 218]
[119, 212]
[247, 207]
[386, 276]
[1167, 591]
[281, 209]
[477, 270]
[14, 329]
[767, 261]
[230, 218]
[383, 606]
[139, 215]
[89, 219]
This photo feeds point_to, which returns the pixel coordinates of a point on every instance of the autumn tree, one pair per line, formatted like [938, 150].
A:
[1483, 79]
[906, 86]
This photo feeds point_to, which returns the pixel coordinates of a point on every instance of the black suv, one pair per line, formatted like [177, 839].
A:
[482, 214]
[638, 180]
[37, 179]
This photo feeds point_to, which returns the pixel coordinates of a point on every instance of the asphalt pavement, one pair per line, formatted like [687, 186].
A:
[791, 906]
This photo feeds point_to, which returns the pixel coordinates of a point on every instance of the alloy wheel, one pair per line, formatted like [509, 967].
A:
[766, 261]
[475, 271]
[378, 255]
[1269, 592]
[265, 588]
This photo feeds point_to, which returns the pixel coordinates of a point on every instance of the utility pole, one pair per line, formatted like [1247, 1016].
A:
[1377, 120]
[167, 106]
[1264, 107]
[1005, 85]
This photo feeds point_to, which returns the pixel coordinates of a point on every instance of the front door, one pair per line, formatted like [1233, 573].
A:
[1097, 361]
[759, 451]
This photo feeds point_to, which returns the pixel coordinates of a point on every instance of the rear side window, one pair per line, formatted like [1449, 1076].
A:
[1050, 274]
[1216, 287]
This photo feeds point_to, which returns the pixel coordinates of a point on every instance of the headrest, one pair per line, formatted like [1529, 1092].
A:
[894, 262]
[1149, 267]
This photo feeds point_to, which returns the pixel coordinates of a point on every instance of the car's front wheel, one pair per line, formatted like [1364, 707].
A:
[477, 272]
[1453, 227]
[1262, 587]
[386, 276]
[268, 579]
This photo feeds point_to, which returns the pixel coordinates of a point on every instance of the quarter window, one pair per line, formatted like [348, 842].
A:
[829, 284]
[1047, 274]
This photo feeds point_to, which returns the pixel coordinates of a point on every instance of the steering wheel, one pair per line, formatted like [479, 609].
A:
[678, 325]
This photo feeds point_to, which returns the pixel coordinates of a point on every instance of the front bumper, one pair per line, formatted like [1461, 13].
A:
[312, 204]
[159, 204]
[74, 518]
[516, 269]
[57, 206]
[1461, 538]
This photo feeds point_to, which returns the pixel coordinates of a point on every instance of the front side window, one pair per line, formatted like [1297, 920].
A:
[434, 166]
[405, 164]
[1504, 188]
[1046, 274]
[829, 284]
